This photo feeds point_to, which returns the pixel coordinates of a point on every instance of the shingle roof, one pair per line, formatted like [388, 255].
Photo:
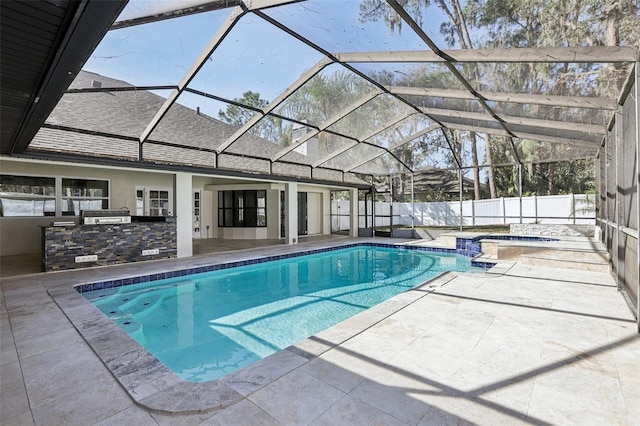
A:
[109, 123]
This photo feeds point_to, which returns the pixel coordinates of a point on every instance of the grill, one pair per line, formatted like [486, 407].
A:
[103, 217]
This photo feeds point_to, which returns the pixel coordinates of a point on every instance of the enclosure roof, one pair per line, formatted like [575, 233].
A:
[317, 89]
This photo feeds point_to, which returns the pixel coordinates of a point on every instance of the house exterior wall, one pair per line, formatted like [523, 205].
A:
[271, 231]
[318, 204]
[22, 235]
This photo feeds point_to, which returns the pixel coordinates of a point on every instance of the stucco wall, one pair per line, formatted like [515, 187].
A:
[318, 214]
[21, 235]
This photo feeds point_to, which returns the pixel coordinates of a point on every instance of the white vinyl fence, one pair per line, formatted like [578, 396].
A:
[577, 209]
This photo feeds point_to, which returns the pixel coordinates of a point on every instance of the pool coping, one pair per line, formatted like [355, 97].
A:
[155, 387]
[101, 285]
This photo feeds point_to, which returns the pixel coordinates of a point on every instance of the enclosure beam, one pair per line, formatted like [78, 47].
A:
[593, 54]
[392, 147]
[453, 151]
[618, 209]
[200, 8]
[522, 135]
[512, 145]
[588, 129]
[519, 98]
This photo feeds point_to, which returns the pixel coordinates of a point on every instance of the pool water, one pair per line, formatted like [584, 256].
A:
[207, 325]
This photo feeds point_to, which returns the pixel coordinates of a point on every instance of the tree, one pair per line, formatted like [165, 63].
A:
[541, 23]
[530, 23]
[456, 32]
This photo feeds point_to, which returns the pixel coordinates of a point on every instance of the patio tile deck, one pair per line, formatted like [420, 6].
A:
[521, 345]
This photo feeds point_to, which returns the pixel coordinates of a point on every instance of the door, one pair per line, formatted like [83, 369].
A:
[154, 201]
[283, 229]
[302, 214]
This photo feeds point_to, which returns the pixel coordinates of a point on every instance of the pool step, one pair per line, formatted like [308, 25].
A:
[516, 252]
[565, 260]
[588, 255]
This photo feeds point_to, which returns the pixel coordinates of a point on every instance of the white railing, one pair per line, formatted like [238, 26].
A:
[576, 209]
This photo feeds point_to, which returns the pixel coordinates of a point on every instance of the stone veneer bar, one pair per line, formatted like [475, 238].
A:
[111, 243]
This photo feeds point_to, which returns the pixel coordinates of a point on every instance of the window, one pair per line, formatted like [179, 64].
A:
[27, 196]
[84, 194]
[32, 196]
[242, 208]
[159, 201]
[154, 201]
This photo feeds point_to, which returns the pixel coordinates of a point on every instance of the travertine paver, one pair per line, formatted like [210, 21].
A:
[522, 344]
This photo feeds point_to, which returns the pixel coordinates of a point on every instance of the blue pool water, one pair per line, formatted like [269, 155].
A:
[207, 325]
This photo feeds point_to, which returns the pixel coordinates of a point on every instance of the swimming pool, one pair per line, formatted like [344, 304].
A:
[206, 325]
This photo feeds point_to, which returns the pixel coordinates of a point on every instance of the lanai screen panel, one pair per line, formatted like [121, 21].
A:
[357, 156]
[338, 84]
[568, 79]
[269, 137]
[154, 53]
[336, 26]
[408, 74]
[64, 141]
[489, 150]
[251, 59]
[412, 125]
[430, 150]
[323, 145]
[530, 151]
[376, 112]
[203, 131]
[577, 115]
[321, 98]
[431, 104]
[386, 164]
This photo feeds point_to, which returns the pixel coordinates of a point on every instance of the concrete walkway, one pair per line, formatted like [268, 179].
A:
[522, 344]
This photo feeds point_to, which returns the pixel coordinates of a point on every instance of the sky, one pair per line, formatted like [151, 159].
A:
[255, 56]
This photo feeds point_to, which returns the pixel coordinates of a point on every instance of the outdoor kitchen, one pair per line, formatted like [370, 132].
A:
[107, 237]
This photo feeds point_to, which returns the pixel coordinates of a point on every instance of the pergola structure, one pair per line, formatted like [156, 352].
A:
[345, 98]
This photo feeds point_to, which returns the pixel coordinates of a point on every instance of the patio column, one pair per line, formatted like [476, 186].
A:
[183, 201]
[353, 215]
[291, 212]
